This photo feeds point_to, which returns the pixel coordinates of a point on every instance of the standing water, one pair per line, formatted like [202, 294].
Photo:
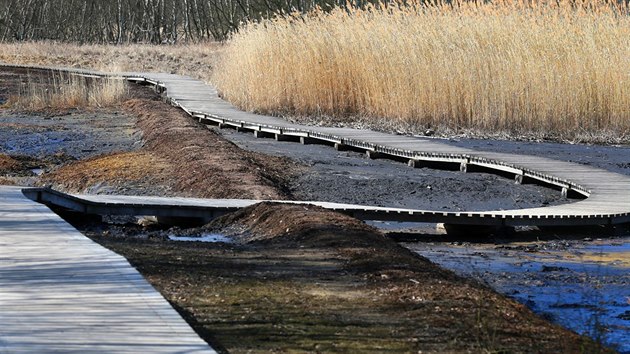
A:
[201, 238]
[583, 286]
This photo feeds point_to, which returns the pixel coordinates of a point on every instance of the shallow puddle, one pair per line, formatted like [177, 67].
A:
[584, 286]
[201, 238]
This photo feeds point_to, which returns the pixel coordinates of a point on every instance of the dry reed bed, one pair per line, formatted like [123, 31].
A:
[63, 91]
[543, 68]
[73, 91]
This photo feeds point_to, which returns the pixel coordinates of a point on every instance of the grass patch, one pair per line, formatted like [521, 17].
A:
[540, 67]
[136, 168]
[62, 91]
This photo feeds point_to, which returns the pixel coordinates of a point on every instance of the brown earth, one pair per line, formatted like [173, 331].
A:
[207, 165]
[21, 165]
[8, 163]
[135, 168]
[308, 280]
[181, 155]
[6, 181]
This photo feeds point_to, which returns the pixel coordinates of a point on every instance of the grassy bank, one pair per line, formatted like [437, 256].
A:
[541, 68]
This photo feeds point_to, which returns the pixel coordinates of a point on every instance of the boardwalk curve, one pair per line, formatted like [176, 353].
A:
[607, 194]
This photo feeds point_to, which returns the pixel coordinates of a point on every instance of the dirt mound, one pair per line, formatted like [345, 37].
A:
[8, 164]
[310, 280]
[288, 226]
[304, 224]
[208, 166]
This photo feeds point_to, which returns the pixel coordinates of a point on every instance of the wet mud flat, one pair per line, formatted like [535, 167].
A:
[351, 177]
[78, 135]
[48, 141]
[581, 285]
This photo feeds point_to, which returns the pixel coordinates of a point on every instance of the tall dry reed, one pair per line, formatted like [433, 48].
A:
[517, 66]
[62, 91]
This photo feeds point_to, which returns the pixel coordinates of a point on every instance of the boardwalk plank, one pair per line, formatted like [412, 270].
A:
[61, 292]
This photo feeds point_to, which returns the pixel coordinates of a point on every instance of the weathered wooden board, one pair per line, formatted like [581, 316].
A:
[61, 292]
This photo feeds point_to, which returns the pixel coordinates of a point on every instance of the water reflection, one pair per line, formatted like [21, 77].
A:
[202, 238]
[584, 286]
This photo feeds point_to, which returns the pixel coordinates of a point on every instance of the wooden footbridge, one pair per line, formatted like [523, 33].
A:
[605, 196]
[60, 292]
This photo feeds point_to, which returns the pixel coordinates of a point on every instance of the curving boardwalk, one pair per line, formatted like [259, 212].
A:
[607, 194]
[61, 292]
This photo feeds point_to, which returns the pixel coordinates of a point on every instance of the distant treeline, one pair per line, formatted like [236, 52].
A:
[133, 21]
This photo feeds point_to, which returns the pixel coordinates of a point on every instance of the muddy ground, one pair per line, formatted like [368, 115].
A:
[308, 280]
[273, 295]
[580, 285]
[350, 177]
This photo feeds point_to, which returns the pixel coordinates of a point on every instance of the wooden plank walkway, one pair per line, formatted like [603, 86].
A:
[207, 209]
[61, 292]
[607, 194]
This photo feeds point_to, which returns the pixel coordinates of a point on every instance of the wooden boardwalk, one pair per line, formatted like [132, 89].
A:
[204, 210]
[61, 292]
[607, 194]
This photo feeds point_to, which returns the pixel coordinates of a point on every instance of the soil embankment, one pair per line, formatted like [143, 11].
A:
[305, 279]
[205, 165]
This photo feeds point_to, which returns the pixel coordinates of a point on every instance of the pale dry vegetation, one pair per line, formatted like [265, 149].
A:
[559, 68]
[196, 60]
[63, 91]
